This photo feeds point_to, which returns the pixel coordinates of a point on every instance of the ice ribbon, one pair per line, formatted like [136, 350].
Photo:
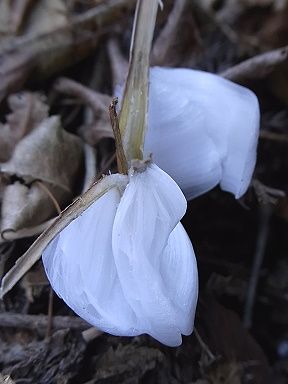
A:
[203, 130]
[126, 265]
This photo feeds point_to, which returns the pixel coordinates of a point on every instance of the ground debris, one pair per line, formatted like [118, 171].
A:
[46, 362]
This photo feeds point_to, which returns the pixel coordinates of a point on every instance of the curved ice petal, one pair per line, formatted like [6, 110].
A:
[202, 124]
[179, 273]
[177, 139]
[80, 266]
[149, 210]
[239, 163]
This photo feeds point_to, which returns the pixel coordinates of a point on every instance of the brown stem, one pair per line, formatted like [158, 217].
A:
[121, 158]
[50, 195]
[50, 314]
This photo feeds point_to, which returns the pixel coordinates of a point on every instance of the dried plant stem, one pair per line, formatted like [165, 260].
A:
[97, 101]
[121, 158]
[50, 313]
[50, 195]
[39, 323]
[204, 346]
[133, 115]
[163, 43]
[256, 67]
[265, 212]
[119, 65]
[273, 136]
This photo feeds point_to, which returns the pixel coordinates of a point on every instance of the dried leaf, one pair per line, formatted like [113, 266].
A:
[28, 110]
[226, 337]
[49, 154]
[24, 206]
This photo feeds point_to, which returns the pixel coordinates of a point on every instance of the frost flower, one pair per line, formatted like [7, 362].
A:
[203, 130]
[126, 265]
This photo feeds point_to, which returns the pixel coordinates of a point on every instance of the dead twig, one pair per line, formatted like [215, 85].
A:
[204, 347]
[273, 136]
[119, 65]
[50, 314]
[90, 334]
[265, 212]
[39, 323]
[162, 44]
[120, 155]
[257, 67]
[97, 101]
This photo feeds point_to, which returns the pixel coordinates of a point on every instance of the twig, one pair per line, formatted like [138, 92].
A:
[50, 195]
[119, 65]
[90, 167]
[266, 194]
[265, 212]
[204, 346]
[90, 334]
[279, 137]
[257, 67]
[39, 323]
[97, 101]
[162, 44]
[50, 313]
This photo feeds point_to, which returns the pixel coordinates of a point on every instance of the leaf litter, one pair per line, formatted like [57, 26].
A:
[41, 163]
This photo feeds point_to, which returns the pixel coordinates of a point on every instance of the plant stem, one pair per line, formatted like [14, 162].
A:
[133, 115]
[121, 159]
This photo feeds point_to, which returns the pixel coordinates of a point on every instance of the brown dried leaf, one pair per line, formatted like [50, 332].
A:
[24, 206]
[28, 110]
[227, 338]
[49, 154]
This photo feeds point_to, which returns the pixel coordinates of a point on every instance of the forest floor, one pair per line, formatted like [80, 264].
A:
[63, 58]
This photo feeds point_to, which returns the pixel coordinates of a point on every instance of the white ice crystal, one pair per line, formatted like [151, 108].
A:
[126, 265]
[203, 130]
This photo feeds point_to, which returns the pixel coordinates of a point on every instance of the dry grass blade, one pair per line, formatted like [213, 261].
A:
[33, 254]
